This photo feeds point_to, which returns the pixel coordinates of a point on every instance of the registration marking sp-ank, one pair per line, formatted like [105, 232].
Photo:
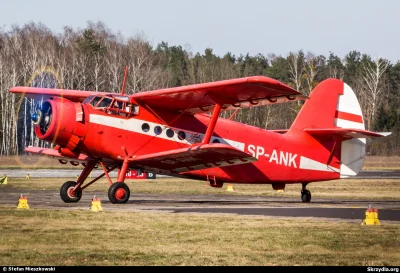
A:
[278, 157]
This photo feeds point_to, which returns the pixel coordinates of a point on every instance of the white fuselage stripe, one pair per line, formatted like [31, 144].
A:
[136, 125]
[309, 164]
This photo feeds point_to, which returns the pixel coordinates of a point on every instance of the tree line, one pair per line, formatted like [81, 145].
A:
[95, 57]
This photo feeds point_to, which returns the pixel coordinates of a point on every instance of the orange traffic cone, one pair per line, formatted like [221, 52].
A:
[23, 202]
[371, 217]
[230, 188]
[4, 179]
[96, 204]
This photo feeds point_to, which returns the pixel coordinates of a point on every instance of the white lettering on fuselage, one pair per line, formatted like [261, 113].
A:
[279, 158]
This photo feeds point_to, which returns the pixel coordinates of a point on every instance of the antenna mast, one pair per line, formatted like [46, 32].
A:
[124, 82]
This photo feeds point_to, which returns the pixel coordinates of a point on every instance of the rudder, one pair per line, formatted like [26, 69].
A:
[333, 104]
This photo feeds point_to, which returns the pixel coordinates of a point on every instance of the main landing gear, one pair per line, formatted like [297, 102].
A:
[118, 193]
[305, 194]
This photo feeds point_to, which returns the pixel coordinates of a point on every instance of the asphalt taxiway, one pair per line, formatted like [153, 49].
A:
[226, 204]
[348, 210]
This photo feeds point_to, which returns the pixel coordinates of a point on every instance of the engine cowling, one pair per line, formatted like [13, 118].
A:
[61, 122]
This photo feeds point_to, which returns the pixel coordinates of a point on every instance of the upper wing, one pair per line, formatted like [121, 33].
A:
[193, 158]
[45, 93]
[230, 94]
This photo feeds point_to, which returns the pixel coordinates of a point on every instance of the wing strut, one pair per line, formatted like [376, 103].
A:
[211, 126]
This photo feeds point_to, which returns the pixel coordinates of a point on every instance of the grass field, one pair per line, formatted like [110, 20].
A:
[52, 237]
[81, 237]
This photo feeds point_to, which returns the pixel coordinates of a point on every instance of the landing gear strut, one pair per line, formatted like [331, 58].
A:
[119, 192]
[305, 194]
[71, 192]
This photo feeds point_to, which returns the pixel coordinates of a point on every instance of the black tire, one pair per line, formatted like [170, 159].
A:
[67, 196]
[119, 193]
[306, 196]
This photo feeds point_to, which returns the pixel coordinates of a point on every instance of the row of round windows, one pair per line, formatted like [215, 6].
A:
[170, 133]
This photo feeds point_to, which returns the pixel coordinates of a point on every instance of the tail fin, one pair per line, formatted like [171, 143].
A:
[332, 104]
[333, 109]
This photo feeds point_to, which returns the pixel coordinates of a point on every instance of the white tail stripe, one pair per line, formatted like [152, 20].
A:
[348, 102]
[348, 124]
[309, 164]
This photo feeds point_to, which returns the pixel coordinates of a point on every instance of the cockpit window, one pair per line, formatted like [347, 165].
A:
[113, 104]
[88, 99]
[95, 101]
[105, 102]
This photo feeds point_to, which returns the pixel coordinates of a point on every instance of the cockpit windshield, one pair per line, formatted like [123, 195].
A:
[95, 101]
[105, 102]
[113, 104]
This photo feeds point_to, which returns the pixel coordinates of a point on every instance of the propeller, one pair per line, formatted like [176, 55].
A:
[43, 117]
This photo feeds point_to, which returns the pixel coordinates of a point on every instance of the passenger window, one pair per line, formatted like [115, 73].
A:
[118, 104]
[132, 108]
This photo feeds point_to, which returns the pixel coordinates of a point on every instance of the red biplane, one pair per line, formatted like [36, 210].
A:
[179, 132]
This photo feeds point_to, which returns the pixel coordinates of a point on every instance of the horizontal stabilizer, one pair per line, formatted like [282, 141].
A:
[346, 133]
[55, 154]
[193, 158]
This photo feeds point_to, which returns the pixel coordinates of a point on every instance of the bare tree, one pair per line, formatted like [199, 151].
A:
[296, 65]
[141, 60]
[311, 68]
[374, 84]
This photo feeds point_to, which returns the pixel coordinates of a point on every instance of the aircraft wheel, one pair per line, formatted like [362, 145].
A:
[66, 192]
[305, 196]
[118, 193]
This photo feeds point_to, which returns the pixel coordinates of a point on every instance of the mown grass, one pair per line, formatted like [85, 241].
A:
[372, 189]
[81, 237]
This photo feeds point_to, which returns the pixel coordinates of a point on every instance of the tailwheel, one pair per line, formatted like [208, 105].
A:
[305, 196]
[67, 193]
[118, 193]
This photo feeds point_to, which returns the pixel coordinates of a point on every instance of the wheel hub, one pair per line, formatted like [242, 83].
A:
[120, 194]
[71, 192]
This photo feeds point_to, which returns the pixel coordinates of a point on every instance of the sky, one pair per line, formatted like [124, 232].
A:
[236, 26]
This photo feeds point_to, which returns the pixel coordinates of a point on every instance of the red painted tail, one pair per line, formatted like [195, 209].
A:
[333, 110]
[332, 104]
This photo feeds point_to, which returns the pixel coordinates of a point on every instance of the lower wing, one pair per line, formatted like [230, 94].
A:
[193, 158]
[56, 154]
